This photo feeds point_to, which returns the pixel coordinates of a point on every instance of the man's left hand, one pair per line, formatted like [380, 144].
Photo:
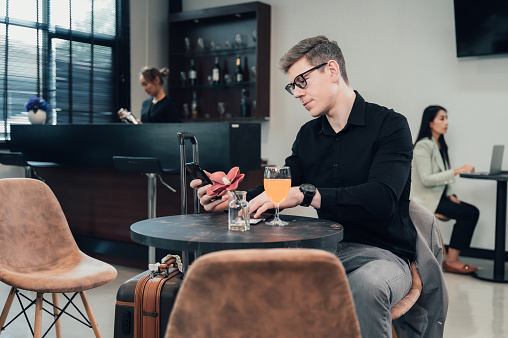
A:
[262, 203]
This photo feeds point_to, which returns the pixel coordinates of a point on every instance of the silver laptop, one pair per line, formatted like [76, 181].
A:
[496, 162]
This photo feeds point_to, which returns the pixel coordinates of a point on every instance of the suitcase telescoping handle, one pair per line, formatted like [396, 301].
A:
[182, 136]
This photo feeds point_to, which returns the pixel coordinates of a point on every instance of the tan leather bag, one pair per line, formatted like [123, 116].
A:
[147, 298]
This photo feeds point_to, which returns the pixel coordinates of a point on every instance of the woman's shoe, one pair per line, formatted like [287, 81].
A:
[464, 270]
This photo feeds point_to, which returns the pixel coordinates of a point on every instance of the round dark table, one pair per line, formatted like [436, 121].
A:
[204, 233]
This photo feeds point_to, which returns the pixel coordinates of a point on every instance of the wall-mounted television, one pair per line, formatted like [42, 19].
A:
[481, 27]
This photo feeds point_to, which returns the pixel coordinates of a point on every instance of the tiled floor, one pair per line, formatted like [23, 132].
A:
[102, 301]
[477, 308]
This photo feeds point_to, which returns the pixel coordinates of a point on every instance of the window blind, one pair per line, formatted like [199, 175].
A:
[69, 52]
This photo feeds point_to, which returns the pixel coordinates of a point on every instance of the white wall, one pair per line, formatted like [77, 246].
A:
[400, 54]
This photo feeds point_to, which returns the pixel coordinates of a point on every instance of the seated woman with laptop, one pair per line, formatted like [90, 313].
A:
[432, 177]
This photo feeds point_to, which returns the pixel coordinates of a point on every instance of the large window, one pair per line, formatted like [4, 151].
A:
[72, 53]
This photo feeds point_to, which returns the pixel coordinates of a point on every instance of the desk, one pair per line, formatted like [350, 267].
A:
[204, 233]
[498, 273]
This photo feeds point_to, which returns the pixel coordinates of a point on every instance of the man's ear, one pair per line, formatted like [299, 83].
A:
[333, 68]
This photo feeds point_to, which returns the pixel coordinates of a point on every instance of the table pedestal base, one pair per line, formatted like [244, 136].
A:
[488, 275]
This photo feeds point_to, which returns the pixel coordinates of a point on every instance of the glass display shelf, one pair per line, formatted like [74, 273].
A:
[216, 52]
[216, 86]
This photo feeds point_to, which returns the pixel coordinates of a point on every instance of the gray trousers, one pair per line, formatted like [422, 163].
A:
[378, 279]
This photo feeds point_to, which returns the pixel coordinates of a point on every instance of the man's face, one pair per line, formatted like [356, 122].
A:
[317, 96]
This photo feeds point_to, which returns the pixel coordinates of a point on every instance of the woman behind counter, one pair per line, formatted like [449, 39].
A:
[431, 186]
[159, 107]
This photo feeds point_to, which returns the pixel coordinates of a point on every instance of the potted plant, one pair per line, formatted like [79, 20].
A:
[37, 109]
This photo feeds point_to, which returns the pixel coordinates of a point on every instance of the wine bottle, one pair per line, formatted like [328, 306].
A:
[216, 72]
[238, 69]
[244, 103]
[193, 74]
[127, 116]
[194, 106]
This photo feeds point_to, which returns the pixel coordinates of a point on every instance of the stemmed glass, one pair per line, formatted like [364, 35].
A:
[238, 40]
[187, 44]
[201, 43]
[221, 107]
[186, 112]
[277, 181]
[183, 78]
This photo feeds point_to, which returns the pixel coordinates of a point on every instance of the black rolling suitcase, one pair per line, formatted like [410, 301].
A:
[144, 302]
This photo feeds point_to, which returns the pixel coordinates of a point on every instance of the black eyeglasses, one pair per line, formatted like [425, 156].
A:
[300, 80]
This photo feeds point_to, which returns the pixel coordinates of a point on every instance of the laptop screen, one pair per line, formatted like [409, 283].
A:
[497, 160]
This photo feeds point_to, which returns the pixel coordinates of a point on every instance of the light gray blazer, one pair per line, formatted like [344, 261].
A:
[429, 176]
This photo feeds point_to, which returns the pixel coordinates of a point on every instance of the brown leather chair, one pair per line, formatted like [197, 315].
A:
[406, 303]
[265, 293]
[38, 252]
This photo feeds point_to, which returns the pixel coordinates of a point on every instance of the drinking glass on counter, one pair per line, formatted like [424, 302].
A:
[277, 182]
[187, 44]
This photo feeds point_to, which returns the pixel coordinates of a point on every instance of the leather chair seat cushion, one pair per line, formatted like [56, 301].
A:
[412, 295]
[74, 272]
[405, 304]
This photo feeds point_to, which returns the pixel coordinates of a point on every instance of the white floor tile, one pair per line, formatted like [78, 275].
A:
[477, 308]
[102, 301]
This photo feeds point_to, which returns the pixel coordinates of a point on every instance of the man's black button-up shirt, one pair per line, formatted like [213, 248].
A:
[363, 174]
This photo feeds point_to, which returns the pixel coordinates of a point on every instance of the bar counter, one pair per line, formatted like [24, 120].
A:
[101, 203]
[221, 144]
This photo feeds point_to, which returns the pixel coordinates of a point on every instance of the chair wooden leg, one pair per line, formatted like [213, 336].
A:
[58, 327]
[38, 316]
[91, 317]
[7, 307]
[394, 334]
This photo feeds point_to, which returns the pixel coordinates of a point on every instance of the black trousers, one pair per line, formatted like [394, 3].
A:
[466, 216]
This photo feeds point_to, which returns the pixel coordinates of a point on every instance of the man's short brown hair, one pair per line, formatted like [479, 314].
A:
[317, 50]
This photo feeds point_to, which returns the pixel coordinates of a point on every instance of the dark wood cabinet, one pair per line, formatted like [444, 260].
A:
[223, 33]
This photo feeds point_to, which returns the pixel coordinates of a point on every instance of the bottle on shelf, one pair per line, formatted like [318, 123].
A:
[245, 67]
[216, 72]
[193, 74]
[244, 103]
[238, 69]
[194, 106]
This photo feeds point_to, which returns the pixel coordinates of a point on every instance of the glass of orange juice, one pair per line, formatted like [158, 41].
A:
[277, 182]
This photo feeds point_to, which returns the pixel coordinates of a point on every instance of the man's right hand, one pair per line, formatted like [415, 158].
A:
[208, 202]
